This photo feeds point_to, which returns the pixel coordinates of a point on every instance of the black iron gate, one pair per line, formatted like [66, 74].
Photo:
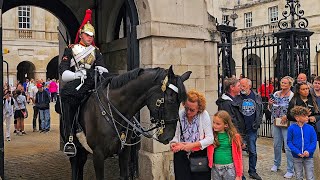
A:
[259, 64]
[273, 56]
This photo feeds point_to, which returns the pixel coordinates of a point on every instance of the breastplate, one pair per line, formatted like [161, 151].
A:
[87, 61]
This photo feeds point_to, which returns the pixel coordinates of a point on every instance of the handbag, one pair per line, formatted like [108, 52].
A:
[277, 122]
[197, 163]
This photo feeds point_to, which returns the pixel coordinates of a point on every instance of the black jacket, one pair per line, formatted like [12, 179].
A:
[42, 100]
[297, 101]
[233, 107]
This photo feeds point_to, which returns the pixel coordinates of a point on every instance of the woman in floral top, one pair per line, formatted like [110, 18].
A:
[193, 140]
[278, 105]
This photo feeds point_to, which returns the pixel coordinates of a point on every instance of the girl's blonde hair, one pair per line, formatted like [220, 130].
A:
[231, 129]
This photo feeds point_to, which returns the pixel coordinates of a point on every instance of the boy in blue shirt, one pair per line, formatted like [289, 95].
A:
[302, 140]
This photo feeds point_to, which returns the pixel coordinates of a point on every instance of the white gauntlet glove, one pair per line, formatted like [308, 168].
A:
[70, 76]
[101, 69]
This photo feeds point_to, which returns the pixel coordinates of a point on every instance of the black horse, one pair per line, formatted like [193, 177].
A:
[106, 117]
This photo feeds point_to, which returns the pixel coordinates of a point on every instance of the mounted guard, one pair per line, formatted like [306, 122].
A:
[78, 66]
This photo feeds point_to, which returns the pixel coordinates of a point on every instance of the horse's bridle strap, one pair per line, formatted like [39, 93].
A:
[174, 88]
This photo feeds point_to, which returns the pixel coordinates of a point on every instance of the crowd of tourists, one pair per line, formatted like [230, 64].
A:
[211, 147]
[39, 94]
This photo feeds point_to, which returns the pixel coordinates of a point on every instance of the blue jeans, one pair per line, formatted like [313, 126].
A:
[305, 164]
[280, 136]
[251, 139]
[45, 119]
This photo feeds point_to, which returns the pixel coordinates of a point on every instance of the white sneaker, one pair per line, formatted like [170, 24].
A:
[274, 168]
[288, 175]
[8, 139]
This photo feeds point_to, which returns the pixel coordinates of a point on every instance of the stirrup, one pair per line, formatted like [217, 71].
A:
[70, 148]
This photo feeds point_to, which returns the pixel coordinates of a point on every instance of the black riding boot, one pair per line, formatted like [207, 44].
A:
[68, 128]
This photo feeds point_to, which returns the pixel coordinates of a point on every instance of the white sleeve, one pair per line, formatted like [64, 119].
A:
[207, 128]
[177, 134]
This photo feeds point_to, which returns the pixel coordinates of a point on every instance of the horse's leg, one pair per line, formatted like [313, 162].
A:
[124, 162]
[74, 167]
[98, 162]
[82, 159]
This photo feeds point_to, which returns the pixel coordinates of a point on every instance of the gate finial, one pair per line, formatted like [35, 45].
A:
[295, 14]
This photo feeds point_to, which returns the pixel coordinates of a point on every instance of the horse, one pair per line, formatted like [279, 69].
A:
[107, 116]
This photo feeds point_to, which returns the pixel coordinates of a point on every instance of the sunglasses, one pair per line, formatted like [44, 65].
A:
[189, 109]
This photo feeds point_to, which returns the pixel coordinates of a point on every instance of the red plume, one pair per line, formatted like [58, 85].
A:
[86, 18]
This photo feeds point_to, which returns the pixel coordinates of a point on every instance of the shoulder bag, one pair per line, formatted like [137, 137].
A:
[198, 163]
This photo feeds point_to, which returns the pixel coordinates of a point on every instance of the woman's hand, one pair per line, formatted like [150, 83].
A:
[175, 147]
[312, 119]
[284, 119]
[271, 101]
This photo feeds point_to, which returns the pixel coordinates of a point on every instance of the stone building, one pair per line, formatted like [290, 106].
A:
[31, 36]
[261, 17]
[131, 34]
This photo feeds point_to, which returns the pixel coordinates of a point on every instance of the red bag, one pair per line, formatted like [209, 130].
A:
[25, 114]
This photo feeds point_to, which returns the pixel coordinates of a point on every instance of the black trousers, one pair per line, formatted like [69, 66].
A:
[182, 166]
[35, 116]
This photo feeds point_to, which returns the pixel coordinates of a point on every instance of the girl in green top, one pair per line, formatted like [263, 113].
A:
[227, 149]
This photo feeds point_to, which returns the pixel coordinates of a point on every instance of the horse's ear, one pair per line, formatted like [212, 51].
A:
[170, 72]
[185, 75]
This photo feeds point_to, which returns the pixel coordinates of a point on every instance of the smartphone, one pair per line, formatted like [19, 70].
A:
[272, 97]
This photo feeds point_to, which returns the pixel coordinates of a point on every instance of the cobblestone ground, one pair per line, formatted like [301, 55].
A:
[36, 156]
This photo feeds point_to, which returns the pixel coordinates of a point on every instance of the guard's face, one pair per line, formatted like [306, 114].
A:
[86, 39]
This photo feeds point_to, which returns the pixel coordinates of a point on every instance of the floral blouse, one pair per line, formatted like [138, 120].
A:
[190, 131]
[280, 106]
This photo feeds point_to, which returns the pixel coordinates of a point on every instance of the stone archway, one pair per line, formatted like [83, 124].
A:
[25, 70]
[52, 68]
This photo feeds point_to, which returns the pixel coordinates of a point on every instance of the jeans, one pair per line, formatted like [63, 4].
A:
[307, 165]
[251, 139]
[280, 136]
[223, 172]
[45, 119]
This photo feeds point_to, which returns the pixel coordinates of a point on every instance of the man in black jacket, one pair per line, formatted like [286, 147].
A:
[42, 101]
[230, 101]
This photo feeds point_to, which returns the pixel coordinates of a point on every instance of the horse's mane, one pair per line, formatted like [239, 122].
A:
[122, 79]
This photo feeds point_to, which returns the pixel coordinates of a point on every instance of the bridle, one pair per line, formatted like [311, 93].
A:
[135, 126]
[159, 118]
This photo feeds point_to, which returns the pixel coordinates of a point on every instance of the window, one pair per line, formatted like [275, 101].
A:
[24, 14]
[225, 19]
[273, 14]
[248, 19]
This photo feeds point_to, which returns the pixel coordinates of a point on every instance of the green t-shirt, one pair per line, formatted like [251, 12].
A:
[223, 153]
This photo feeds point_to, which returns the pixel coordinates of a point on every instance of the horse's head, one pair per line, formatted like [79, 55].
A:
[164, 104]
